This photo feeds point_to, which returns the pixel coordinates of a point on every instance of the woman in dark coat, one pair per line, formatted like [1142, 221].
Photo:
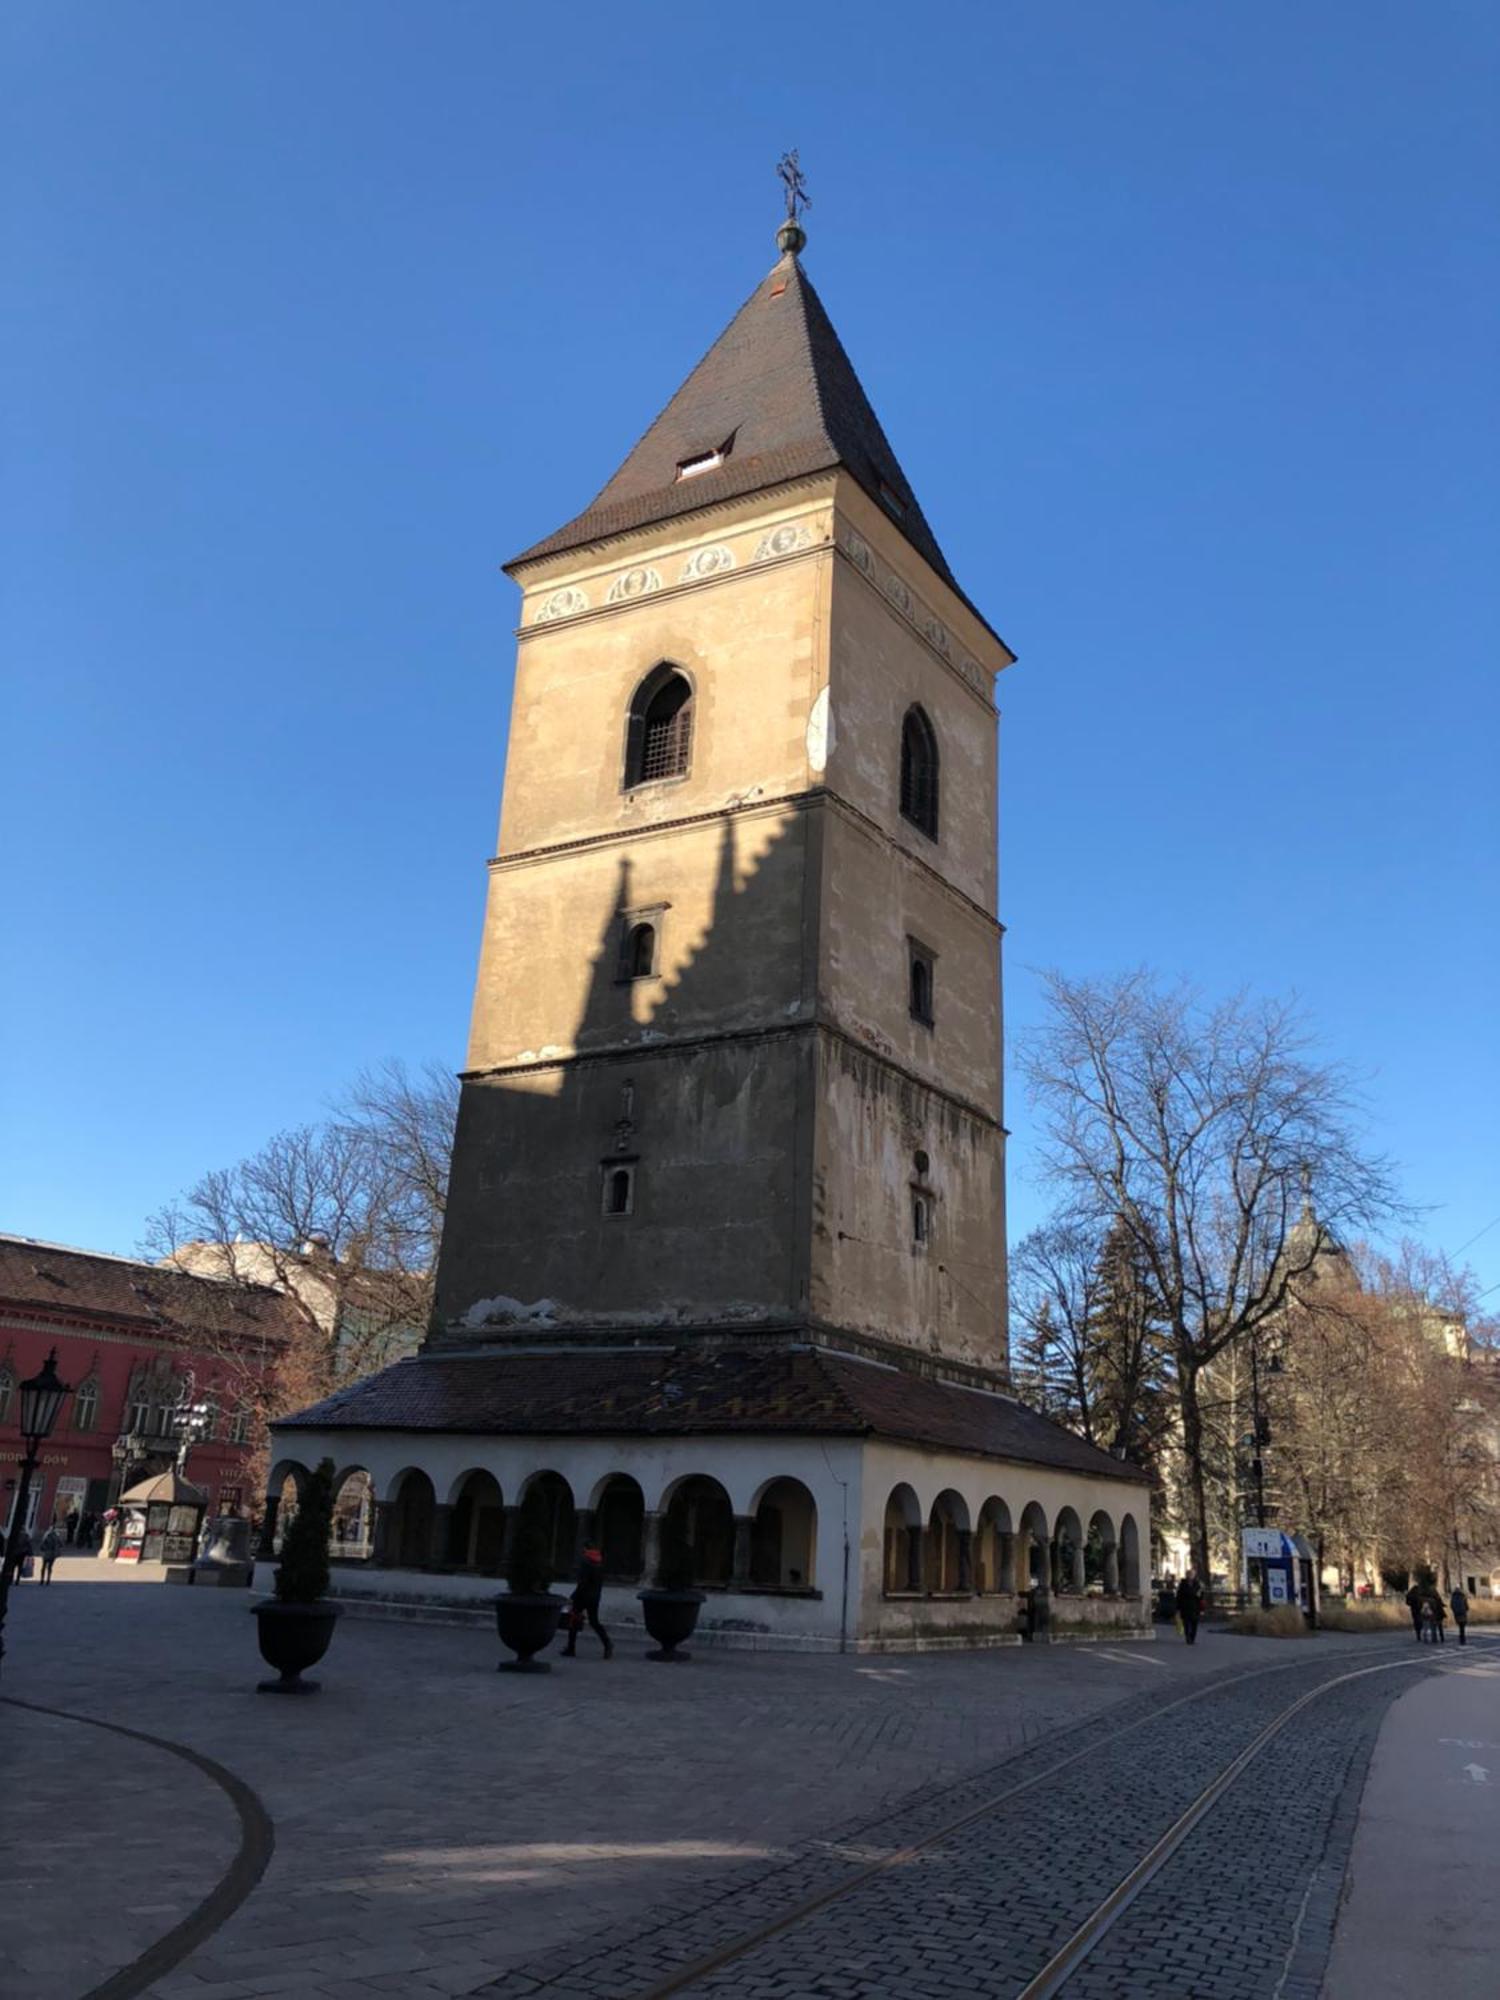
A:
[1190, 1605]
[586, 1595]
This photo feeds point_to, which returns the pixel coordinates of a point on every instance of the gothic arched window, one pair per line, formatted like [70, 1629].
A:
[86, 1405]
[660, 740]
[7, 1390]
[919, 772]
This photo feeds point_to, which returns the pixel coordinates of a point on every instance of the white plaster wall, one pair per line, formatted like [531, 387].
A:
[850, 1481]
[976, 1481]
[744, 1466]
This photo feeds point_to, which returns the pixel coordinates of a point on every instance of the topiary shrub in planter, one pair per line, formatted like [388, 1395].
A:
[670, 1607]
[526, 1612]
[296, 1625]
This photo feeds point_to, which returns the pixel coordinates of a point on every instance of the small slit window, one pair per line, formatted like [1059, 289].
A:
[919, 772]
[921, 1219]
[640, 952]
[660, 741]
[619, 1190]
[919, 977]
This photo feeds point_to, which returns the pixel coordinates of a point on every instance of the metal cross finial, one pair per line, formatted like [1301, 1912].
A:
[797, 197]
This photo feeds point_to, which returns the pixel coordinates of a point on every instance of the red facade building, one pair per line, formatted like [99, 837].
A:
[137, 1344]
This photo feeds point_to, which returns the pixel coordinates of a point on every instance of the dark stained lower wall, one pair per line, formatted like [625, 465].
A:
[712, 1136]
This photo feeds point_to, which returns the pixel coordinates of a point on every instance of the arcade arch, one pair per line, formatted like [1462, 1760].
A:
[784, 1537]
[903, 1543]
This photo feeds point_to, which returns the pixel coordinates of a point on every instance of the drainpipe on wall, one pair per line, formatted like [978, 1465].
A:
[844, 1591]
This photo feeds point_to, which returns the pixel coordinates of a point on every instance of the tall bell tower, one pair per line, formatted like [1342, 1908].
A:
[734, 1067]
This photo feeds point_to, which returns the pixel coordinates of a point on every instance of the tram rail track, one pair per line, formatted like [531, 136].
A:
[1061, 1966]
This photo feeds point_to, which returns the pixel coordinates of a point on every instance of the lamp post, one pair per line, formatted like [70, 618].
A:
[193, 1422]
[121, 1453]
[42, 1398]
[1262, 1439]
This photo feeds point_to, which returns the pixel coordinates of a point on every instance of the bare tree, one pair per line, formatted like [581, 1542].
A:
[1054, 1283]
[1210, 1132]
[1092, 1352]
[344, 1217]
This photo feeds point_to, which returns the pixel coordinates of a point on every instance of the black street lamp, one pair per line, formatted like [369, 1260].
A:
[42, 1398]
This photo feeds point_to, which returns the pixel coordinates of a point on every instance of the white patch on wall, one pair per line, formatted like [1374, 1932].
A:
[783, 541]
[502, 1311]
[634, 583]
[561, 604]
[707, 562]
[820, 734]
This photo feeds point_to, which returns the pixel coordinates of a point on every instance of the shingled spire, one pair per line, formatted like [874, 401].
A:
[775, 398]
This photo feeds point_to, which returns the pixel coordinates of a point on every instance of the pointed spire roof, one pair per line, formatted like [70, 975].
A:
[778, 396]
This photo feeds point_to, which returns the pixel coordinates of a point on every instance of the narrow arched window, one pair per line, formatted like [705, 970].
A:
[617, 1191]
[921, 989]
[919, 981]
[640, 951]
[919, 772]
[660, 741]
[7, 1390]
[86, 1406]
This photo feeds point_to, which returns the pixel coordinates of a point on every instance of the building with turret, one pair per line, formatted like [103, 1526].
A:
[726, 1230]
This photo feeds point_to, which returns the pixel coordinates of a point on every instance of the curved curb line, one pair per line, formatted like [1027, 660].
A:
[257, 1843]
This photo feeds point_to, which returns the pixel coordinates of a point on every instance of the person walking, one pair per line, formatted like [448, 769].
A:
[22, 1556]
[1190, 1606]
[51, 1547]
[1415, 1598]
[587, 1592]
[1439, 1618]
[1458, 1603]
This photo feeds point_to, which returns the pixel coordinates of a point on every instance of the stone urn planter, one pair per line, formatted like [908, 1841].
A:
[527, 1622]
[294, 1637]
[671, 1617]
[296, 1624]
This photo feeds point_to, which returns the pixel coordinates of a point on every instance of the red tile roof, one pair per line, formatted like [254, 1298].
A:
[89, 1285]
[699, 1389]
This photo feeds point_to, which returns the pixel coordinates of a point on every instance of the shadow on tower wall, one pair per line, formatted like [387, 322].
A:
[653, 1178]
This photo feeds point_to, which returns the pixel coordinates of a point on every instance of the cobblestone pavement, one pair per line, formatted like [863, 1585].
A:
[1243, 1910]
[442, 1829]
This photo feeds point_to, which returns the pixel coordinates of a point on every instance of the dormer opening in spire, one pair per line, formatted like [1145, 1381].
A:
[699, 462]
[774, 400]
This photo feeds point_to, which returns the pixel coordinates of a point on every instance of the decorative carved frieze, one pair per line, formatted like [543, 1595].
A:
[561, 604]
[783, 541]
[901, 598]
[707, 562]
[634, 583]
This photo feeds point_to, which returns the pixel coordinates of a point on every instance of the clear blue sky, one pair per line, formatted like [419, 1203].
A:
[1182, 318]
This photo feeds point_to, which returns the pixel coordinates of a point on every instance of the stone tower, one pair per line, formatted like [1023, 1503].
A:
[724, 1262]
[736, 1046]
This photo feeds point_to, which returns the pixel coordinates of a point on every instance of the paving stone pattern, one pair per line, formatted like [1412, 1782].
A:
[436, 1822]
[85, 1884]
[441, 1829]
[982, 1912]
